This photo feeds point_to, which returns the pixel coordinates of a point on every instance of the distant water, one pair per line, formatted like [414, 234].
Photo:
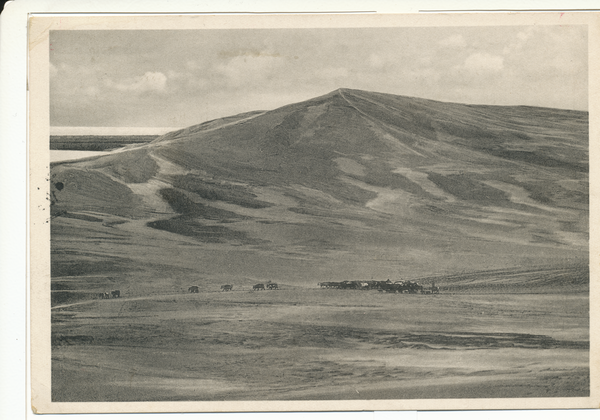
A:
[62, 155]
[110, 131]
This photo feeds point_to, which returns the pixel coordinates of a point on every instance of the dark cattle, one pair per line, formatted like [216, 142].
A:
[402, 286]
[397, 287]
[193, 289]
[115, 293]
[226, 288]
[259, 286]
[413, 287]
[382, 286]
[272, 286]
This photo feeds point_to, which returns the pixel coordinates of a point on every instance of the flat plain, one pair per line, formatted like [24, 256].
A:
[307, 343]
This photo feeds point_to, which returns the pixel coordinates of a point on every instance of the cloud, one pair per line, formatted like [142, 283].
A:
[520, 40]
[249, 67]
[478, 73]
[455, 41]
[187, 80]
[150, 81]
[479, 62]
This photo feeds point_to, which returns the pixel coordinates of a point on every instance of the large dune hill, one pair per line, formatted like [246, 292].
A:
[351, 184]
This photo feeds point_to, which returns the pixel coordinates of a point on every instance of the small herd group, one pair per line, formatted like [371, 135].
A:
[261, 286]
[108, 295]
[224, 288]
[229, 287]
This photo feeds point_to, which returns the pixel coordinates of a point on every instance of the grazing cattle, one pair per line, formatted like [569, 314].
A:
[104, 295]
[259, 286]
[398, 287]
[272, 286]
[226, 288]
[382, 286]
[193, 289]
[115, 293]
[413, 287]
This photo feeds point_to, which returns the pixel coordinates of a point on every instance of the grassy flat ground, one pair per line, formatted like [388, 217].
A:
[303, 343]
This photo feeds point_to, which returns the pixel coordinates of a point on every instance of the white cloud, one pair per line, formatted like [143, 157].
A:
[253, 66]
[520, 40]
[456, 41]
[478, 62]
[187, 80]
[150, 81]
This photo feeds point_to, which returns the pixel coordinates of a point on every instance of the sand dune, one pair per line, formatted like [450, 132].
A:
[466, 182]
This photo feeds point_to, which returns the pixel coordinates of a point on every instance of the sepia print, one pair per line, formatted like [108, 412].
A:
[241, 213]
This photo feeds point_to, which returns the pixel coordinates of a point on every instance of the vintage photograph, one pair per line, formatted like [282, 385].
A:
[362, 211]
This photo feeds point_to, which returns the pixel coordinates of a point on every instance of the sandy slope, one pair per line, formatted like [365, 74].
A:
[351, 184]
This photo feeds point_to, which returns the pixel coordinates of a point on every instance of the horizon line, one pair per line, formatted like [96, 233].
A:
[97, 130]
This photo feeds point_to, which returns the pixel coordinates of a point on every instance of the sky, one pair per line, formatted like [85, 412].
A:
[170, 78]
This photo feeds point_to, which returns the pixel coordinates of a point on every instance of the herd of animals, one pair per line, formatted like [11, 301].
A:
[229, 287]
[108, 295]
[383, 286]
